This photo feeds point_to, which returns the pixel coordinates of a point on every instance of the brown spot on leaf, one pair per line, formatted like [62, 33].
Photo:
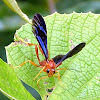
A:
[71, 34]
[20, 42]
[71, 41]
[45, 82]
[72, 46]
[26, 39]
[97, 77]
[97, 82]
[65, 35]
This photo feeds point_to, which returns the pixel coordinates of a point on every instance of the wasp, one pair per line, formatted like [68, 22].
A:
[48, 66]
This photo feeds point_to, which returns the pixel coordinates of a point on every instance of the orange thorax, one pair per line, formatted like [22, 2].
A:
[49, 67]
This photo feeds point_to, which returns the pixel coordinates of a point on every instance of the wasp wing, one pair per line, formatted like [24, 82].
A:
[40, 32]
[57, 58]
[60, 58]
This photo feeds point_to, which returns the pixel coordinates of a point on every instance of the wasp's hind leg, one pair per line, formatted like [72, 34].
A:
[25, 63]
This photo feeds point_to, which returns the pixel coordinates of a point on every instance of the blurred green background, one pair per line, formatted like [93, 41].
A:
[10, 22]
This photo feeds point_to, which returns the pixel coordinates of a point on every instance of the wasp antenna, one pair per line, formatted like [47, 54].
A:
[73, 69]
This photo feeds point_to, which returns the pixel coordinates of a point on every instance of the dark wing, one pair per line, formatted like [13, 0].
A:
[40, 32]
[60, 58]
[57, 58]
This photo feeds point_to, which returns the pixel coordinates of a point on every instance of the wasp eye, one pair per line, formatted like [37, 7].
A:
[48, 70]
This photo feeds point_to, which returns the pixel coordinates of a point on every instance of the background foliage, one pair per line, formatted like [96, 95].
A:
[10, 22]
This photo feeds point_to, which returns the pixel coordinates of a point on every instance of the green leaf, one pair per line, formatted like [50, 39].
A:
[64, 32]
[12, 4]
[10, 85]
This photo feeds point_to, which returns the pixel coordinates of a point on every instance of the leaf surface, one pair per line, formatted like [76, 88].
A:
[10, 85]
[64, 31]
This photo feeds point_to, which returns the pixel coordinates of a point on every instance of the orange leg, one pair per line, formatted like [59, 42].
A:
[41, 79]
[58, 77]
[41, 50]
[39, 73]
[25, 63]
[37, 54]
[36, 48]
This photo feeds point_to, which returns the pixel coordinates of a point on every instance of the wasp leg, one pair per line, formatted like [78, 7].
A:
[24, 40]
[55, 75]
[25, 63]
[58, 77]
[39, 73]
[39, 80]
[36, 48]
